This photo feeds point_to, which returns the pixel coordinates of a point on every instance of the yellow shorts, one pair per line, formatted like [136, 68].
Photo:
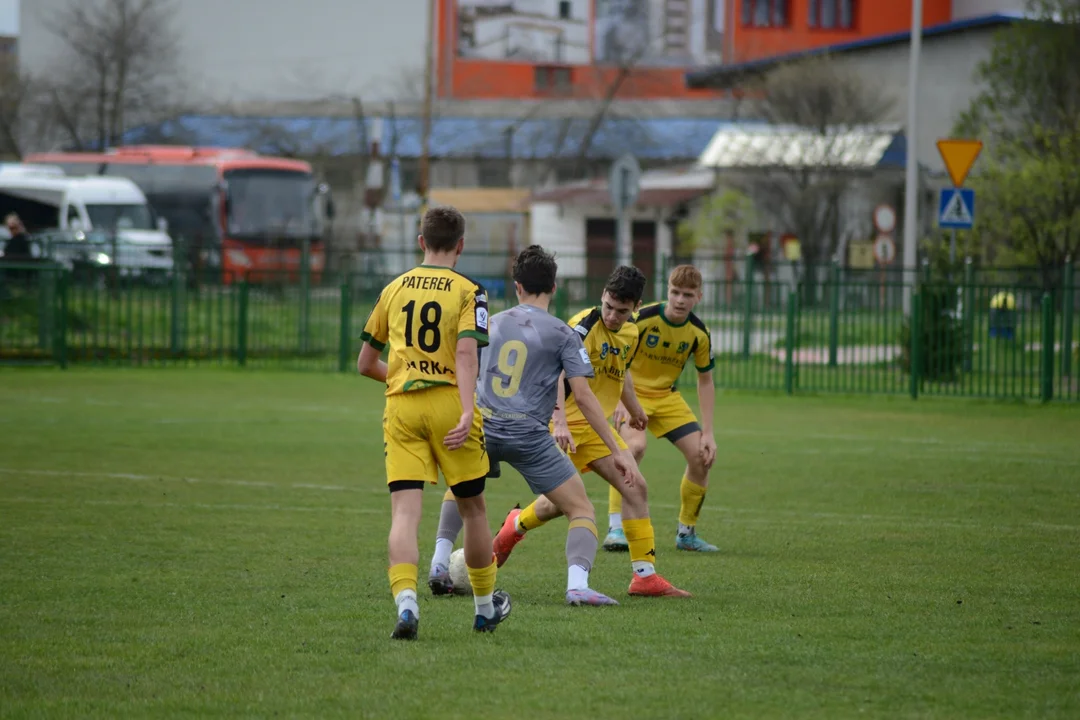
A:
[414, 425]
[588, 447]
[669, 413]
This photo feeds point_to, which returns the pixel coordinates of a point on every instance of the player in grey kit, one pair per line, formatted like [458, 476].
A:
[517, 391]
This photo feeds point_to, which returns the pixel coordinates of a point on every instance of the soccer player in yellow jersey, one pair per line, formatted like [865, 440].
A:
[433, 320]
[610, 341]
[670, 335]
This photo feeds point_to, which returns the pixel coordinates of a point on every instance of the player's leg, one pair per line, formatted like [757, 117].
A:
[409, 464]
[465, 471]
[674, 421]
[615, 541]
[640, 535]
[582, 541]
[692, 489]
[552, 475]
[449, 528]
[492, 606]
[405, 510]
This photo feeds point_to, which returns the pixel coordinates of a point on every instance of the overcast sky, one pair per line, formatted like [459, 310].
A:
[9, 17]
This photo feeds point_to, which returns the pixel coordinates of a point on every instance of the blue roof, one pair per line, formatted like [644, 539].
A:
[668, 139]
[719, 74]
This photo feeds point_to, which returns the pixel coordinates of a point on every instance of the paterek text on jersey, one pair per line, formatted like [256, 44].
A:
[610, 353]
[420, 315]
[663, 349]
[520, 368]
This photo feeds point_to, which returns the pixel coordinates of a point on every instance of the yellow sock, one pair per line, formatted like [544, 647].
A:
[527, 520]
[693, 496]
[640, 538]
[614, 501]
[402, 577]
[483, 579]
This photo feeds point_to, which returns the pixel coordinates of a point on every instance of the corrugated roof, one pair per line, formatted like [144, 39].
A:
[764, 146]
[668, 139]
[720, 76]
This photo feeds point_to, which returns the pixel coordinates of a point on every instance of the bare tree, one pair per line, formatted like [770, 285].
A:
[827, 120]
[117, 69]
[21, 124]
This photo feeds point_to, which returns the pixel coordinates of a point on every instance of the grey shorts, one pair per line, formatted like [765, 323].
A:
[536, 456]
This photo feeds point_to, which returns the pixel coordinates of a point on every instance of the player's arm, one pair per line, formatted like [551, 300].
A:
[704, 362]
[472, 333]
[375, 336]
[638, 419]
[558, 418]
[370, 363]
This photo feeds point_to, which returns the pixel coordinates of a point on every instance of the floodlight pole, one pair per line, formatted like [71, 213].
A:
[911, 164]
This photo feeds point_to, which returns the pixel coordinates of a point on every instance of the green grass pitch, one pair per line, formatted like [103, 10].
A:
[212, 543]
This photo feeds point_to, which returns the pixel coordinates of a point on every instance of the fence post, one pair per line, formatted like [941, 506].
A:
[242, 325]
[60, 309]
[1068, 299]
[790, 342]
[46, 283]
[305, 294]
[916, 342]
[562, 302]
[834, 311]
[1047, 348]
[748, 310]
[345, 341]
[969, 314]
[177, 312]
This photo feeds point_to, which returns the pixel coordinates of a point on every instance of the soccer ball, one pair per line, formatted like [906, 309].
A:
[459, 574]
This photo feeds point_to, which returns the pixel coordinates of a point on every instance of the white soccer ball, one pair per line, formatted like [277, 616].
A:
[459, 573]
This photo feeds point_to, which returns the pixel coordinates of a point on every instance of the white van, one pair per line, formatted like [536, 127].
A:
[88, 209]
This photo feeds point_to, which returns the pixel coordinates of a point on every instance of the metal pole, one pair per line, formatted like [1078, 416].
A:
[911, 165]
[623, 249]
[425, 141]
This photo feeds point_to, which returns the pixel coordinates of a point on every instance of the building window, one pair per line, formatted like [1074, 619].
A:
[553, 80]
[765, 13]
[564, 9]
[832, 14]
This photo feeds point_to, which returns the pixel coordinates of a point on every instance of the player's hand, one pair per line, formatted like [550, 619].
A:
[707, 450]
[639, 420]
[456, 438]
[563, 437]
[619, 417]
[627, 467]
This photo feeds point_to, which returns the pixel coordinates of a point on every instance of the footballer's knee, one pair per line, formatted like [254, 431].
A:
[637, 446]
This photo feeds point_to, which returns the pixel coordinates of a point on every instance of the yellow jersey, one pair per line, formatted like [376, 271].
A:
[610, 354]
[421, 315]
[664, 348]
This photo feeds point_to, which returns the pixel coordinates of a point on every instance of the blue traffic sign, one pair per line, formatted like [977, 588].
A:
[956, 210]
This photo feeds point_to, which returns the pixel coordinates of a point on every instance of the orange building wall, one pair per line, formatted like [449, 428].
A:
[488, 80]
[872, 17]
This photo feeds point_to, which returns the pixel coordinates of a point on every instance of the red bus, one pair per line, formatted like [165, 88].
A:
[232, 210]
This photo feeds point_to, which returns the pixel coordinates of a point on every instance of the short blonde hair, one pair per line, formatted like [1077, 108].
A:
[685, 276]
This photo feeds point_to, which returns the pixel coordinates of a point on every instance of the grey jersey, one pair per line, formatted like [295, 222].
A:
[519, 370]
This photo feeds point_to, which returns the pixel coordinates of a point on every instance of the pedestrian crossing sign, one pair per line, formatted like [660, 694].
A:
[956, 211]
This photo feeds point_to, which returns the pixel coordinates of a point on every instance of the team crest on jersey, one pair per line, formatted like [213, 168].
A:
[683, 347]
[604, 351]
[652, 340]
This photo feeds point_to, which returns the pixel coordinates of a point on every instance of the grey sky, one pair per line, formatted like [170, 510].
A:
[9, 17]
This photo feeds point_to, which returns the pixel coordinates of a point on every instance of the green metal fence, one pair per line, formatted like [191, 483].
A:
[972, 336]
